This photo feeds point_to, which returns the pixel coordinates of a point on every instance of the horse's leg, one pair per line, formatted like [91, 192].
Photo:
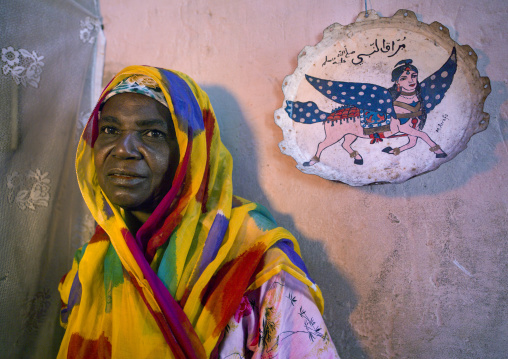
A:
[394, 128]
[333, 135]
[434, 147]
[411, 143]
[348, 141]
[396, 151]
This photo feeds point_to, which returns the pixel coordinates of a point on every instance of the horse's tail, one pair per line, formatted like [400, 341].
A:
[305, 112]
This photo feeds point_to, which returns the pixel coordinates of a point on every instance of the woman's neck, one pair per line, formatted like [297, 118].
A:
[135, 219]
[408, 93]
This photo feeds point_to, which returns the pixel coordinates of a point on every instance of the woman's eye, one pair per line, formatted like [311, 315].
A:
[402, 78]
[109, 130]
[155, 134]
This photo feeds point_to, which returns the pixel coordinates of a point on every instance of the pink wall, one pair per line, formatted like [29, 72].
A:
[416, 270]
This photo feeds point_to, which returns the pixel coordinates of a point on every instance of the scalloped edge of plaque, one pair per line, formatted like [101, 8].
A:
[406, 18]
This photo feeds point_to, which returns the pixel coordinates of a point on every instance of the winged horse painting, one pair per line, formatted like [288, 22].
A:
[373, 112]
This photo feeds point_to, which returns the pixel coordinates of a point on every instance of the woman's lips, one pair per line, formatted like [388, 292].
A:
[124, 175]
[125, 178]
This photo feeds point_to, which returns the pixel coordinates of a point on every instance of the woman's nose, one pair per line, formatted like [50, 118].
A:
[127, 147]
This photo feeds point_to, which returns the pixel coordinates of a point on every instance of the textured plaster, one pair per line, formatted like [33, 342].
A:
[415, 270]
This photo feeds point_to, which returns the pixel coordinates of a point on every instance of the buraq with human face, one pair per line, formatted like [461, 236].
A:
[408, 80]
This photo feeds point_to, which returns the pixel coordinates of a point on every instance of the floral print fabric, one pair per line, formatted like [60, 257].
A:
[277, 320]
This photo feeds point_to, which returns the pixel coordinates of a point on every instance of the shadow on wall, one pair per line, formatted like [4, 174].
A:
[340, 300]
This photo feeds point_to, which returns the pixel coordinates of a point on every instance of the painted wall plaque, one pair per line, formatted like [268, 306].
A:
[381, 100]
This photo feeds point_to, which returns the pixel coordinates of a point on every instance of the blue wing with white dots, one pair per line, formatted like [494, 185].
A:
[365, 96]
[305, 112]
[434, 87]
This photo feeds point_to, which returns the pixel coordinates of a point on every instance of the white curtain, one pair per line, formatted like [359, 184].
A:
[51, 70]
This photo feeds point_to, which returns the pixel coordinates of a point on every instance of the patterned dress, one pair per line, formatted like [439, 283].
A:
[277, 320]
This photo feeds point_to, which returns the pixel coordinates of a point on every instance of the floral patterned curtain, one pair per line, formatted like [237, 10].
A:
[51, 71]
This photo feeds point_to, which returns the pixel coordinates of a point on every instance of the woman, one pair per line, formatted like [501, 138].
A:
[178, 266]
[409, 109]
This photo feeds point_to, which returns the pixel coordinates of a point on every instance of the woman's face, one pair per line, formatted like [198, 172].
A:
[408, 81]
[136, 152]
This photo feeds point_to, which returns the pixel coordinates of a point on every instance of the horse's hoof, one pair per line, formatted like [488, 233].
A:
[358, 162]
[441, 155]
[311, 162]
[392, 151]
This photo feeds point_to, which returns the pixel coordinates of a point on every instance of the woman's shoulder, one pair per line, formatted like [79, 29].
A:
[280, 318]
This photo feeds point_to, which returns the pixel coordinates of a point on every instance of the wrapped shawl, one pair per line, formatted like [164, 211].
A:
[170, 289]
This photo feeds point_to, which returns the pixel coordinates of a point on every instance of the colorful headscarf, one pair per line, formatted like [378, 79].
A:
[140, 84]
[170, 290]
